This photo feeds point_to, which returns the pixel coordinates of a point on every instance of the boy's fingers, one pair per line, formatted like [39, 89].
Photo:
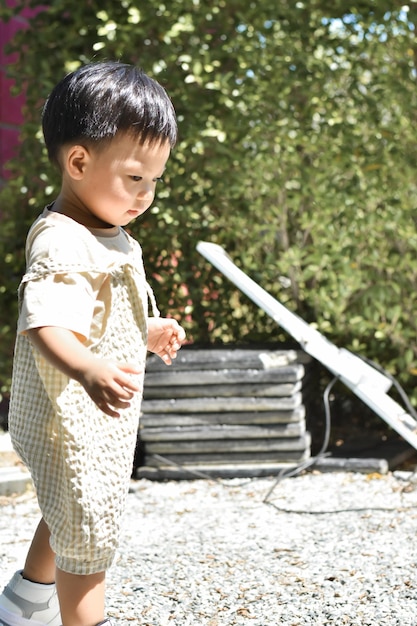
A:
[129, 368]
[115, 402]
[106, 407]
[126, 382]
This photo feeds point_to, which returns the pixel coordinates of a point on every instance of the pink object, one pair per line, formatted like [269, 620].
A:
[11, 116]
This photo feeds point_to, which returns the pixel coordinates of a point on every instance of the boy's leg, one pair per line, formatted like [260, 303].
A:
[30, 596]
[81, 598]
[40, 561]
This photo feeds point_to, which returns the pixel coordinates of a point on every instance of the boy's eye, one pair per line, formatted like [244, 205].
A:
[137, 179]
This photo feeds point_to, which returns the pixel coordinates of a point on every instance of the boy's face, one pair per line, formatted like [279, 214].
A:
[118, 181]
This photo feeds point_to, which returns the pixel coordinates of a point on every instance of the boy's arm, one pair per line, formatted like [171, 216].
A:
[107, 383]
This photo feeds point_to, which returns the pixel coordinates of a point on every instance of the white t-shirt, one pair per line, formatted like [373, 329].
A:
[75, 294]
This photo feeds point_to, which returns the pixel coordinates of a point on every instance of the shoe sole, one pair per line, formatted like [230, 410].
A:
[11, 619]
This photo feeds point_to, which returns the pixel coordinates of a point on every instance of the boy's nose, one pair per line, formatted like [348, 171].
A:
[146, 190]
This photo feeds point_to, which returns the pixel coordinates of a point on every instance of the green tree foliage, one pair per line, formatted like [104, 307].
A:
[297, 153]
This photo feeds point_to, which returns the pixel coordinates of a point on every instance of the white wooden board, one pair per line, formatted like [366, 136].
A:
[370, 385]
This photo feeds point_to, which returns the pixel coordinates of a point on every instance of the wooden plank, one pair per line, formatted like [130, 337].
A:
[197, 433]
[215, 445]
[232, 458]
[234, 389]
[171, 377]
[225, 358]
[150, 420]
[157, 469]
[169, 472]
[215, 405]
[334, 464]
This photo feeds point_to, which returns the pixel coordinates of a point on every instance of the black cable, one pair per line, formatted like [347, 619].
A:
[364, 509]
[287, 473]
[197, 473]
[394, 381]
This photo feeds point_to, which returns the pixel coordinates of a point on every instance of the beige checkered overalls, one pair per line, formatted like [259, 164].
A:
[81, 459]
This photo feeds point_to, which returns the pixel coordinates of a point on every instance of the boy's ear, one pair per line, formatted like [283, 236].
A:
[76, 160]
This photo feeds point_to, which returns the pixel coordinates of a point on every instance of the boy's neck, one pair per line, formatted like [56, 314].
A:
[66, 206]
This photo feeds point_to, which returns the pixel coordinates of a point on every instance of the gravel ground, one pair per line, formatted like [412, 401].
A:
[333, 548]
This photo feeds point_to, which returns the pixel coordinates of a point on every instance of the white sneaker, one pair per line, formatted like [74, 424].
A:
[24, 603]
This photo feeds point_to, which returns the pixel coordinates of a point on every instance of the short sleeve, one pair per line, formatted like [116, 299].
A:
[66, 279]
[63, 300]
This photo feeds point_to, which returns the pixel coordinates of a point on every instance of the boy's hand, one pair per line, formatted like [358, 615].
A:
[165, 337]
[109, 385]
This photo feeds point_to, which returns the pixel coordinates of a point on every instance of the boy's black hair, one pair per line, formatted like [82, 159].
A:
[99, 100]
